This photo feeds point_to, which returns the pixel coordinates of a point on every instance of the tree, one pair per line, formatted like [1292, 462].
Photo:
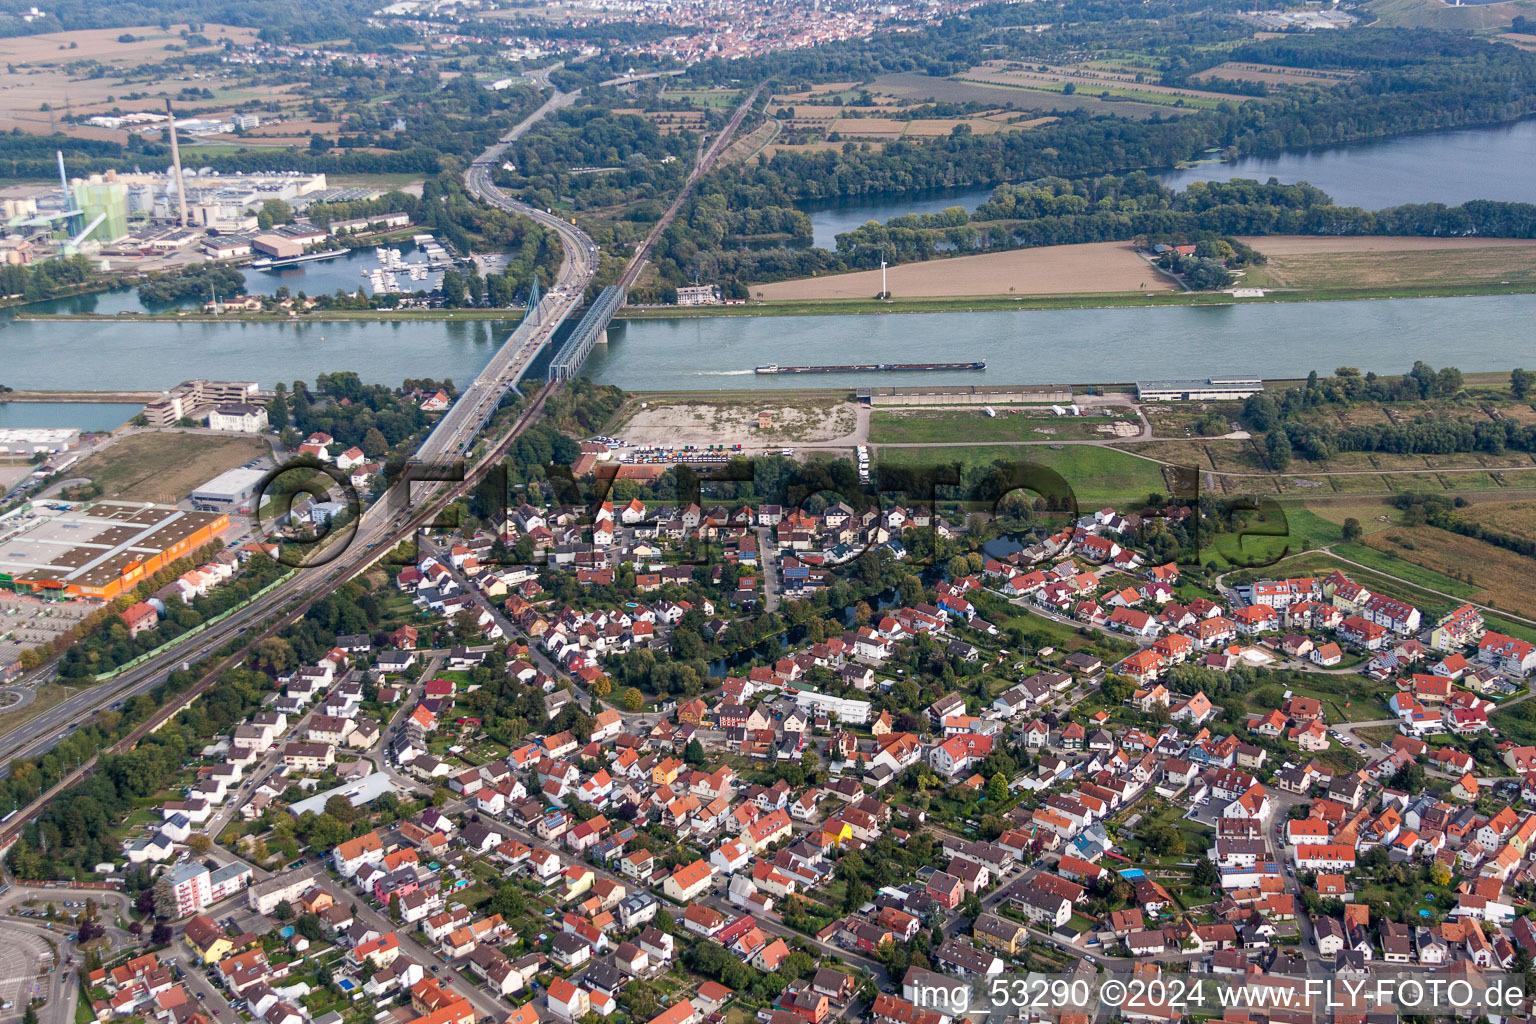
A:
[161, 934]
[509, 902]
[694, 754]
[631, 699]
[374, 443]
[164, 898]
[273, 211]
[283, 911]
[1522, 382]
[277, 411]
[1205, 872]
[1278, 444]
[199, 843]
[997, 789]
[1352, 530]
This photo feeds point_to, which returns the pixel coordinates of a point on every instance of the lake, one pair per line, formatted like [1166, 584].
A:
[88, 416]
[1443, 167]
[832, 217]
[1448, 167]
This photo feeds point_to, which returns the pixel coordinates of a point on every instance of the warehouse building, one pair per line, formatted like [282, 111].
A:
[231, 490]
[98, 551]
[968, 394]
[33, 440]
[1212, 389]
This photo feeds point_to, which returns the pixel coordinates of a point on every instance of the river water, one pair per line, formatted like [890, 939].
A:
[1272, 339]
[1269, 339]
[91, 416]
[1055, 346]
[122, 354]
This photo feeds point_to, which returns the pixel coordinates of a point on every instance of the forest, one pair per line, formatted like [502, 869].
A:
[44, 280]
[196, 281]
[597, 157]
[1435, 432]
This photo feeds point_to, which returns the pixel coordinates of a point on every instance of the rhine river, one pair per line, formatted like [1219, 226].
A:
[1271, 339]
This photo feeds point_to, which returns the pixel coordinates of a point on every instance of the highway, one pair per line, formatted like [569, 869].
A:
[387, 521]
[456, 430]
[378, 528]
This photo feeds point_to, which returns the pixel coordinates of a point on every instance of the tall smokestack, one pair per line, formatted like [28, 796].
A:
[69, 202]
[181, 186]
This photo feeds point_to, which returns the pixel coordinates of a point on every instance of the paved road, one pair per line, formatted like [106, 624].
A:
[384, 521]
[25, 938]
[768, 558]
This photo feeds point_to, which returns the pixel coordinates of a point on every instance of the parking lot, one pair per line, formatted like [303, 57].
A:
[21, 952]
[30, 622]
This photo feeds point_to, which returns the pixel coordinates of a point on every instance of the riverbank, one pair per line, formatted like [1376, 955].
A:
[282, 317]
[1100, 300]
[828, 307]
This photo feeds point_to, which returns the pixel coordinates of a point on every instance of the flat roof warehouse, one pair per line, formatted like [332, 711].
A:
[99, 551]
[231, 488]
[1212, 389]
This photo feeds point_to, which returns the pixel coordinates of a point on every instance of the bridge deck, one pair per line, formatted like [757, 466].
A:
[567, 362]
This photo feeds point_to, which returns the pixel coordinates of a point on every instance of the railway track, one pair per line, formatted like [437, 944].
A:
[350, 568]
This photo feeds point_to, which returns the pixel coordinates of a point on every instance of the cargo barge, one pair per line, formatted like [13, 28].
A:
[873, 368]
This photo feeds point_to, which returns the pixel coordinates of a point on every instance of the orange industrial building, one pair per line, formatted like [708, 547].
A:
[98, 551]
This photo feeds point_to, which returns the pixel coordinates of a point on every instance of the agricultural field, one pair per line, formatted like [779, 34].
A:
[92, 69]
[1090, 79]
[706, 97]
[917, 426]
[1437, 14]
[918, 86]
[1089, 268]
[1272, 74]
[163, 466]
[1343, 263]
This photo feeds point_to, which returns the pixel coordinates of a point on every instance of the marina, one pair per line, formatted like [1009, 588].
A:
[278, 263]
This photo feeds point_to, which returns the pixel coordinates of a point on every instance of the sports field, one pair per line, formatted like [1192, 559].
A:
[1049, 270]
[1097, 475]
